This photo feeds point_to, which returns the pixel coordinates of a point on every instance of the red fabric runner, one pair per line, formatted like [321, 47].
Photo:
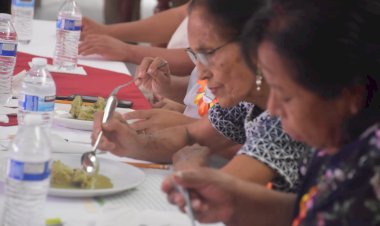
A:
[12, 121]
[98, 82]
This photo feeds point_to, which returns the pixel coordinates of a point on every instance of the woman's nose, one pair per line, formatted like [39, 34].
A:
[202, 71]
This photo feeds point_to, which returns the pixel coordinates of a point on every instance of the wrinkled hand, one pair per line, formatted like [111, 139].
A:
[153, 76]
[165, 103]
[91, 27]
[107, 46]
[156, 119]
[118, 137]
[191, 157]
[211, 199]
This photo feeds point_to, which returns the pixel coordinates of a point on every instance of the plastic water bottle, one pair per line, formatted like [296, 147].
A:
[8, 50]
[27, 179]
[37, 95]
[22, 15]
[69, 24]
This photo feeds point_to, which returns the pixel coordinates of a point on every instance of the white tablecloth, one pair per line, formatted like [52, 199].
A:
[43, 44]
[145, 205]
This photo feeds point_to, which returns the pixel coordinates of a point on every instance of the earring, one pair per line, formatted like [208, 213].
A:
[259, 80]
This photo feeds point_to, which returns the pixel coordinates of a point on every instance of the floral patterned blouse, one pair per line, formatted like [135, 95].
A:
[263, 139]
[343, 189]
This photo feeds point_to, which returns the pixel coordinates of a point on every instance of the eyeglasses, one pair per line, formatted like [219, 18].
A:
[203, 57]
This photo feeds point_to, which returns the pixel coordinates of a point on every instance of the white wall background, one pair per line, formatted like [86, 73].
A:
[89, 8]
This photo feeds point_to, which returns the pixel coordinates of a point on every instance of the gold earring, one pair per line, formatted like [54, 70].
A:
[259, 80]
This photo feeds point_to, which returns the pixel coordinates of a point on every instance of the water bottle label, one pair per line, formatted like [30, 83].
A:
[28, 171]
[69, 25]
[23, 3]
[36, 103]
[8, 49]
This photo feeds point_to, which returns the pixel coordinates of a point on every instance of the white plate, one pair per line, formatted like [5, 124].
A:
[63, 118]
[122, 176]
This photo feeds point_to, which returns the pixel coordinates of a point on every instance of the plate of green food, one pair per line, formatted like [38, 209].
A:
[79, 115]
[69, 180]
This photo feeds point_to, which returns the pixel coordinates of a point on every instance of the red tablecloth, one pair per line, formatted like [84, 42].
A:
[98, 82]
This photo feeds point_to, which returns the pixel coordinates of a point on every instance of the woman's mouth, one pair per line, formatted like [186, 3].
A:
[214, 90]
[293, 135]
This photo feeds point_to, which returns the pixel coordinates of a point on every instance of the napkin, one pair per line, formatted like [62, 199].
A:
[62, 144]
[4, 119]
[121, 216]
[76, 71]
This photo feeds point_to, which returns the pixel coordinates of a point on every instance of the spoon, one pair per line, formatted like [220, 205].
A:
[188, 208]
[88, 160]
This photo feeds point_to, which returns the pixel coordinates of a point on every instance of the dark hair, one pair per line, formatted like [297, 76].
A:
[230, 15]
[332, 45]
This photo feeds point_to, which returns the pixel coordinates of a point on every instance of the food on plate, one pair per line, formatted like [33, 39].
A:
[86, 112]
[63, 176]
[75, 106]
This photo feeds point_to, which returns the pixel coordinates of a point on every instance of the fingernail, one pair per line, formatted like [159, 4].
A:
[178, 174]
[196, 203]
[187, 209]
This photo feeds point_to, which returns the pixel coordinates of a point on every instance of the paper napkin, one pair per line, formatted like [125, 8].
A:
[76, 71]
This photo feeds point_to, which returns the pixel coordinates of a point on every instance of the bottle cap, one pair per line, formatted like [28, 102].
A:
[5, 16]
[38, 61]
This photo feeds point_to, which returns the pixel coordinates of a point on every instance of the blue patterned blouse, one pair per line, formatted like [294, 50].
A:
[263, 139]
[343, 189]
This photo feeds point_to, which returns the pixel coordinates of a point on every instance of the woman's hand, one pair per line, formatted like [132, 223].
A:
[156, 119]
[165, 103]
[107, 46]
[91, 27]
[118, 137]
[191, 157]
[211, 199]
[154, 75]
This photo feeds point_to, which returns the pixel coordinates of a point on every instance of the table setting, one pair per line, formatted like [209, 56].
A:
[135, 198]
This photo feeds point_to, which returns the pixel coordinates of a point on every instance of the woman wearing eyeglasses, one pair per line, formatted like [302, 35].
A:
[267, 154]
[321, 61]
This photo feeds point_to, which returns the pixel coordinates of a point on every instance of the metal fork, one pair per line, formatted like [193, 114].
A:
[116, 90]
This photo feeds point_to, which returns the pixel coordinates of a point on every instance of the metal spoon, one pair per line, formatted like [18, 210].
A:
[88, 160]
[188, 208]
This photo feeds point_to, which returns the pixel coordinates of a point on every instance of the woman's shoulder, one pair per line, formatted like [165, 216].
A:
[230, 121]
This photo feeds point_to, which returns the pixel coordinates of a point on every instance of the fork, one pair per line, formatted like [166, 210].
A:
[116, 90]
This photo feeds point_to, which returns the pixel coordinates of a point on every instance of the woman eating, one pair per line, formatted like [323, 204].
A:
[267, 153]
[321, 62]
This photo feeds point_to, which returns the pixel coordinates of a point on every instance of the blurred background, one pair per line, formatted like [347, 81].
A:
[103, 11]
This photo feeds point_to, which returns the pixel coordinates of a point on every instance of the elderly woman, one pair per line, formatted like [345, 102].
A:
[267, 154]
[325, 87]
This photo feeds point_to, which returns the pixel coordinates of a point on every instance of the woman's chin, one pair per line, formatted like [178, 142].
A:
[227, 103]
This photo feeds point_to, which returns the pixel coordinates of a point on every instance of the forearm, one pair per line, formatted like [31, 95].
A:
[203, 133]
[161, 145]
[256, 204]
[177, 89]
[242, 166]
[180, 63]
[155, 29]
